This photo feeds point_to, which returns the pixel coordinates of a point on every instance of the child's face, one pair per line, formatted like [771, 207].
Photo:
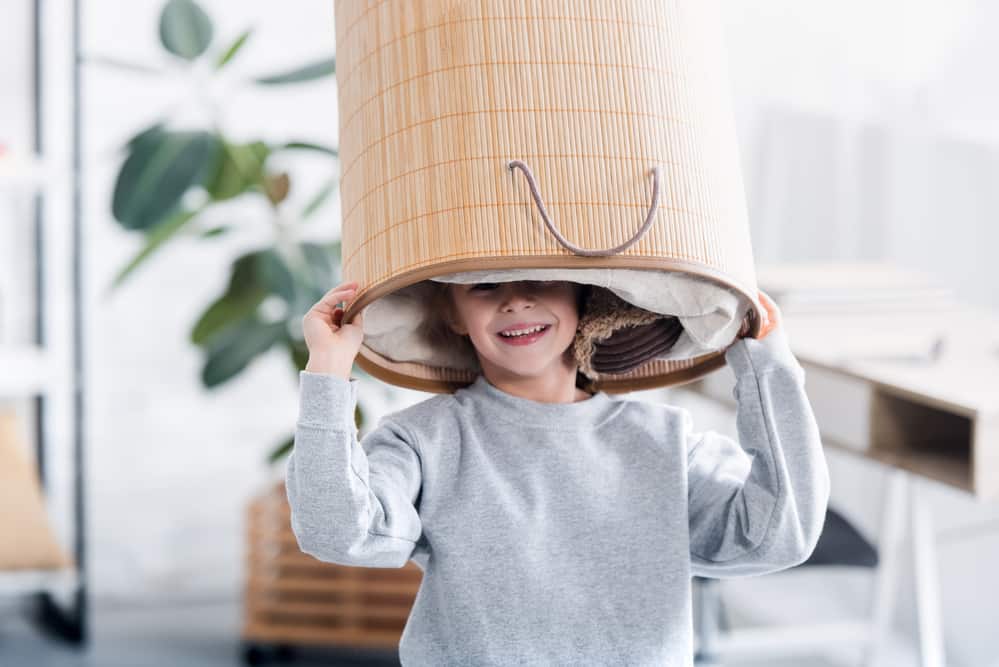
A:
[485, 309]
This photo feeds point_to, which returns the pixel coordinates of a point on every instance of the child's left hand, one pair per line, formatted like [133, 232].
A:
[771, 319]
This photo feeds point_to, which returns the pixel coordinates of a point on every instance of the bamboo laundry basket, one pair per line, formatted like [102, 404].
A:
[589, 141]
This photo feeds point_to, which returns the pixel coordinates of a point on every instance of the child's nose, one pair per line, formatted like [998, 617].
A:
[518, 295]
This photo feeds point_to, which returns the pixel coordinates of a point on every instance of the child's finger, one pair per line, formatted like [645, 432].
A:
[772, 318]
[335, 296]
[773, 312]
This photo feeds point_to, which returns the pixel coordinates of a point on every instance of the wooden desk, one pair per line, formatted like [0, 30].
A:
[875, 395]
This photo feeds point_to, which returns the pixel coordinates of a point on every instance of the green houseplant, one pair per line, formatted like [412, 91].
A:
[170, 178]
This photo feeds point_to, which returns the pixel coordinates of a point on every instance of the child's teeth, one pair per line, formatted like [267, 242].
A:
[514, 334]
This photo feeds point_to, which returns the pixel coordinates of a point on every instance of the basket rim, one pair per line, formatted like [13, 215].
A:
[382, 368]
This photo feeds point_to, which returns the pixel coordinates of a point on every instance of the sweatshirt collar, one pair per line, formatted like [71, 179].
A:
[581, 414]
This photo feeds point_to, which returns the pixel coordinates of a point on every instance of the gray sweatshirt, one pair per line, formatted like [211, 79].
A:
[561, 533]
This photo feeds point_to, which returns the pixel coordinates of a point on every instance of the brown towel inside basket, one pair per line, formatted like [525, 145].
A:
[615, 336]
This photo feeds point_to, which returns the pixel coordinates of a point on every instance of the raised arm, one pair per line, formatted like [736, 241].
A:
[352, 503]
[758, 505]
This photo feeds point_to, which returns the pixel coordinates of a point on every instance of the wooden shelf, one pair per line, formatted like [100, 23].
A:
[25, 370]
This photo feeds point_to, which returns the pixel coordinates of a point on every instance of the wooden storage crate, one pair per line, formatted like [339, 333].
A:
[292, 598]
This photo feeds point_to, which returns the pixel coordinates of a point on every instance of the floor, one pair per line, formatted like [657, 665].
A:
[207, 635]
[192, 635]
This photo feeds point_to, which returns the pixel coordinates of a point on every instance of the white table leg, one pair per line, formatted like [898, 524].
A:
[886, 577]
[931, 647]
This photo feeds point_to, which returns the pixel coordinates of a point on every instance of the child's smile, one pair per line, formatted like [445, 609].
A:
[523, 333]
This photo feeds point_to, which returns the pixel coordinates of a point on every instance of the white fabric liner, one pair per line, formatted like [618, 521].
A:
[710, 313]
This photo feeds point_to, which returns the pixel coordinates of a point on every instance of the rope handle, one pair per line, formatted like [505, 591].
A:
[569, 245]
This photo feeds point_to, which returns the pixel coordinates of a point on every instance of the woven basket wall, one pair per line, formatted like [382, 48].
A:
[436, 98]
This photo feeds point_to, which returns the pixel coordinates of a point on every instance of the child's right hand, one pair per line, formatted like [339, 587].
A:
[333, 346]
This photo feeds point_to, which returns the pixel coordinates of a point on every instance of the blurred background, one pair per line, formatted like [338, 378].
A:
[160, 322]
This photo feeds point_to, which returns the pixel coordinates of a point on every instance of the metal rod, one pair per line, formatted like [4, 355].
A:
[79, 394]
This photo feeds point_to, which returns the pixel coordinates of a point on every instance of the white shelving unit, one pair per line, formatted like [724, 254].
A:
[30, 372]
[45, 374]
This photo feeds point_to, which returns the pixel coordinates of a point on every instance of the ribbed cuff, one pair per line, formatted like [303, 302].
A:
[326, 401]
[750, 356]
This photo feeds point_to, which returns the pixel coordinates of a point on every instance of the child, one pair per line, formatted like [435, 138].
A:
[553, 526]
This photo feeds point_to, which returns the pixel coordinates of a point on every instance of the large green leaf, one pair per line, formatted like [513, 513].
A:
[156, 237]
[239, 301]
[313, 278]
[274, 275]
[323, 262]
[309, 72]
[233, 350]
[161, 167]
[253, 277]
[151, 133]
[224, 312]
[185, 29]
[238, 170]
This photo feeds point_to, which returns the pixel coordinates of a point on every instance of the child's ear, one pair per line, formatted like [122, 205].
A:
[448, 313]
[458, 329]
[455, 325]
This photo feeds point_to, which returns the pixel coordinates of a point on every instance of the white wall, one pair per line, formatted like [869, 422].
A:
[866, 131]
[173, 465]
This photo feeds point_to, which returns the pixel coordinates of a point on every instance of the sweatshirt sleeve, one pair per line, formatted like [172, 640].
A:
[758, 505]
[352, 503]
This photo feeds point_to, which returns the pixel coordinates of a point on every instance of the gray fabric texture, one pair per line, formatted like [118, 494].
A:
[561, 533]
